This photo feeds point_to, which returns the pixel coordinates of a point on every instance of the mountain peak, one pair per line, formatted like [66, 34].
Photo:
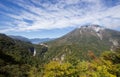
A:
[82, 40]
[91, 25]
[94, 27]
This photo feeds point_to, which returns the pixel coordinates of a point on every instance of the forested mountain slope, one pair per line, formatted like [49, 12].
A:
[81, 41]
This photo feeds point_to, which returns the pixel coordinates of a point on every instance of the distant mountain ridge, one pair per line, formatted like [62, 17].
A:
[40, 40]
[20, 38]
[84, 39]
[34, 40]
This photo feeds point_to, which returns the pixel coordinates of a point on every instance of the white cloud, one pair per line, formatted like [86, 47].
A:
[111, 23]
[51, 16]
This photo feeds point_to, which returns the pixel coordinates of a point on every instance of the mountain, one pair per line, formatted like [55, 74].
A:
[17, 50]
[24, 59]
[17, 58]
[40, 40]
[20, 38]
[79, 42]
[34, 40]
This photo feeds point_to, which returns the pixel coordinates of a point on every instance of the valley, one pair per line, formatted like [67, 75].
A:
[59, 38]
[76, 54]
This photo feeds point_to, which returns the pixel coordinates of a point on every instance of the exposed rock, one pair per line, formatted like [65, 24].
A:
[96, 28]
[99, 35]
[43, 44]
[115, 42]
[44, 48]
[63, 57]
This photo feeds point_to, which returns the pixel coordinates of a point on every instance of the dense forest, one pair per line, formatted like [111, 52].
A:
[107, 65]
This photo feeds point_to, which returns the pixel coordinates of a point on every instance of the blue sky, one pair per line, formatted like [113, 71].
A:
[54, 18]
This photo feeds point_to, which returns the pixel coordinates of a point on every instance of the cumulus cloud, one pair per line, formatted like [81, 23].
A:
[51, 14]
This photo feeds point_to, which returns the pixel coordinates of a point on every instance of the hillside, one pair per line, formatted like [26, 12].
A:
[17, 58]
[73, 55]
[81, 41]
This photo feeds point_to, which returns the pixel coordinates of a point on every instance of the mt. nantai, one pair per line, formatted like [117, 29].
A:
[81, 41]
